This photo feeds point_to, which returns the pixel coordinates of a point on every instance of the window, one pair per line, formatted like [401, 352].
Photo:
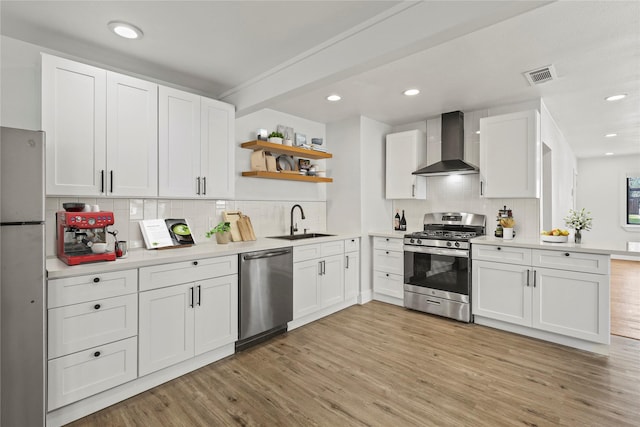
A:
[633, 201]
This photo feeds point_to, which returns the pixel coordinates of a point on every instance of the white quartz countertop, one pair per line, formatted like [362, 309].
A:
[607, 248]
[390, 233]
[137, 258]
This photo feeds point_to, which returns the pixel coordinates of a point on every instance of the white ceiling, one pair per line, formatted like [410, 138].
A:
[288, 55]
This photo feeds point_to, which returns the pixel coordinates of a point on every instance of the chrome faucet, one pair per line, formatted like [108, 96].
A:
[294, 227]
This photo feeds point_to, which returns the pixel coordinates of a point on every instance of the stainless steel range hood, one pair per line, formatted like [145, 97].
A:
[452, 149]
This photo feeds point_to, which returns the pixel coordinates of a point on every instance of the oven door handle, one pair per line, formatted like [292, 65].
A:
[436, 251]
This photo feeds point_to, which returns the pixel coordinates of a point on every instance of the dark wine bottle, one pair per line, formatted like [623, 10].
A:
[403, 222]
[396, 221]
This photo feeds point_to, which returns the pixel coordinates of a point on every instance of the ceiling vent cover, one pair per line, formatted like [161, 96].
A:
[541, 75]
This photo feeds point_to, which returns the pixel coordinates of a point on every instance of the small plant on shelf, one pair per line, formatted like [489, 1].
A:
[276, 135]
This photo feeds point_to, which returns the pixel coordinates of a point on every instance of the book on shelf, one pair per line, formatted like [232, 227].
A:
[166, 233]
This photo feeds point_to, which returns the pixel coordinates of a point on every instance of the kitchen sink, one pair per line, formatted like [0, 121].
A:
[301, 236]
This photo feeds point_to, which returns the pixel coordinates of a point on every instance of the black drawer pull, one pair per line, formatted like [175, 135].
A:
[96, 279]
[387, 274]
[96, 354]
[387, 252]
[97, 306]
[567, 254]
[499, 248]
[387, 240]
[195, 262]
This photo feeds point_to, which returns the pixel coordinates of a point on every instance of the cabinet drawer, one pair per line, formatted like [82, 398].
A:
[92, 371]
[74, 290]
[388, 243]
[306, 252]
[352, 245]
[388, 284]
[506, 254]
[332, 248]
[77, 327]
[573, 261]
[388, 261]
[177, 273]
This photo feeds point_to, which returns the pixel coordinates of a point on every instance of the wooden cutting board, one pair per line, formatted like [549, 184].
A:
[246, 229]
[232, 218]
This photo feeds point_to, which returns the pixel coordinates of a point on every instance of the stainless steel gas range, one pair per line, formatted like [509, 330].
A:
[437, 277]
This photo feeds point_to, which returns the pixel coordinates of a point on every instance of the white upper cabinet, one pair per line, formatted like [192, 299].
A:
[179, 143]
[217, 130]
[73, 117]
[195, 145]
[101, 129]
[132, 136]
[510, 154]
[406, 152]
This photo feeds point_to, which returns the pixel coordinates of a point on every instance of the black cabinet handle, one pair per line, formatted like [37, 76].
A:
[111, 181]
[528, 271]
[567, 254]
[387, 252]
[97, 306]
[534, 278]
[387, 274]
[387, 240]
[96, 354]
[96, 279]
[192, 297]
[199, 294]
[499, 248]
[102, 181]
[204, 185]
[481, 189]
[195, 263]
[198, 190]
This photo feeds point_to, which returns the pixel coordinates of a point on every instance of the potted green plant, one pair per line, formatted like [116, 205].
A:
[276, 137]
[222, 232]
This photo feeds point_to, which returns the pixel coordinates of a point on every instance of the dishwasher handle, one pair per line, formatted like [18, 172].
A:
[266, 255]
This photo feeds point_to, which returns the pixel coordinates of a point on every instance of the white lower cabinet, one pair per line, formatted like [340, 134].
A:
[326, 278]
[388, 270]
[318, 282]
[565, 301]
[351, 269]
[181, 321]
[92, 332]
[91, 371]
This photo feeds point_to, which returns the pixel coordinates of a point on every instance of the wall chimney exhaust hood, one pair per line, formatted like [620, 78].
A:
[452, 162]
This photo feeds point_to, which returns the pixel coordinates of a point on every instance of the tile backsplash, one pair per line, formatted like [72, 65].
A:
[269, 218]
[461, 193]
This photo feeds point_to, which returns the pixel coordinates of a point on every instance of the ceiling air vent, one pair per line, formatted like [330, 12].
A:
[541, 75]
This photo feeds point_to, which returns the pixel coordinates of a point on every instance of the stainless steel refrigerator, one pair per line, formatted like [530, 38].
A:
[22, 278]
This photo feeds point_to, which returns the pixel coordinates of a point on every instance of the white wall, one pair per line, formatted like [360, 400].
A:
[357, 202]
[601, 190]
[20, 86]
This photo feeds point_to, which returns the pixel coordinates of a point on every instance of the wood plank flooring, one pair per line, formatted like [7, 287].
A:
[382, 365]
[625, 298]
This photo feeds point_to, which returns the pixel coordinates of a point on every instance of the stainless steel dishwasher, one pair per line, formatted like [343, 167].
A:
[265, 300]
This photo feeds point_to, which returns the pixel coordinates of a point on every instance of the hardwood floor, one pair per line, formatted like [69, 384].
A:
[382, 365]
[625, 298]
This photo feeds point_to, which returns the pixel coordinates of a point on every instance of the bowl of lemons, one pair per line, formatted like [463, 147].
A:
[556, 235]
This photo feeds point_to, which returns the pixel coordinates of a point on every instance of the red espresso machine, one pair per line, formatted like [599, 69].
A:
[77, 232]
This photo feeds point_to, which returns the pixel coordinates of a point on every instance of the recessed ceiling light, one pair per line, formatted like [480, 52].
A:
[610, 135]
[616, 97]
[334, 98]
[608, 154]
[125, 30]
[411, 92]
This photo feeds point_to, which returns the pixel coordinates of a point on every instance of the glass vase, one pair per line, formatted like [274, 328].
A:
[578, 236]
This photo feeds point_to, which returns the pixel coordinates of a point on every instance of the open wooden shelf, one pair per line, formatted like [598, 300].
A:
[285, 149]
[288, 176]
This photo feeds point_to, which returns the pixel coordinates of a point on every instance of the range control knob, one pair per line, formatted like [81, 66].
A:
[457, 244]
[411, 241]
[419, 241]
[448, 243]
